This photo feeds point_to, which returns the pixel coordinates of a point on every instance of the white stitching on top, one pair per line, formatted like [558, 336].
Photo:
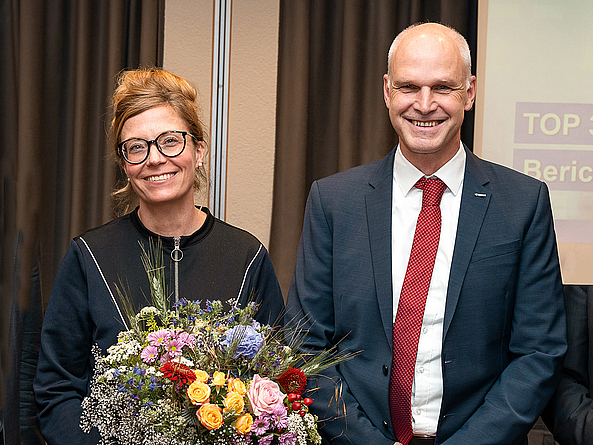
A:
[236, 302]
[106, 285]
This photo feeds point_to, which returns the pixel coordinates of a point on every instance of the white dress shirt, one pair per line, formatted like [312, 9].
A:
[427, 389]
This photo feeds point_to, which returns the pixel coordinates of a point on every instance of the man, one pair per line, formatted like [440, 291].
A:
[491, 333]
[570, 414]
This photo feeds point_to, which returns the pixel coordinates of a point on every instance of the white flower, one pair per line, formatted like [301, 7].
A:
[309, 421]
[296, 426]
[184, 361]
[109, 374]
[125, 348]
[148, 310]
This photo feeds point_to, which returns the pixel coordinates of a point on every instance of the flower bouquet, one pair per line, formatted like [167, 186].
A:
[195, 374]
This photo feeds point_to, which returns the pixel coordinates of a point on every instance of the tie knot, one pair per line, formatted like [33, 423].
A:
[432, 191]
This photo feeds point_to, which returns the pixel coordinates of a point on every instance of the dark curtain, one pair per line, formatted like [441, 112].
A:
[57, 71]
[330, 110]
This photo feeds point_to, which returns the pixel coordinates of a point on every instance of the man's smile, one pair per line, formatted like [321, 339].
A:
[425, 123]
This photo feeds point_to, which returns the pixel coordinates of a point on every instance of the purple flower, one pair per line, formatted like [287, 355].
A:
[287, 439]
[149, 354]
[260, 425]
[181, 303]
[174, 348]
[187, 339]
[159, 337]
[249, 340]
[279, 417]
[266, 440]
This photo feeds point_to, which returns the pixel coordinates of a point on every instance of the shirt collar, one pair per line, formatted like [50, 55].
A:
[406, 175]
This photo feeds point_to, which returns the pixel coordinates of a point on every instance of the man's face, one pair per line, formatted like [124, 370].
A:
[427, 95]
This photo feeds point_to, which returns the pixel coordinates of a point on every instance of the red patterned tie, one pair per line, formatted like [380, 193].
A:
[410, 310]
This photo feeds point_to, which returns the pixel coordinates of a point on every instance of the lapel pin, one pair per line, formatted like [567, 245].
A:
[480, 195]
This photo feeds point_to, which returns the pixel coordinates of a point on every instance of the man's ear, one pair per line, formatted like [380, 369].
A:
[386, 95]
[471, 94]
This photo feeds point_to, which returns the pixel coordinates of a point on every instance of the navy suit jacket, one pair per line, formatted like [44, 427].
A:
[504, 328]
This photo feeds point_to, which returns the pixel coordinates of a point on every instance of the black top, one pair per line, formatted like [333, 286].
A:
[220, 262]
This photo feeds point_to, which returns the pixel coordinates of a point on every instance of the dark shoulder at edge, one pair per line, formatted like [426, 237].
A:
[108, 231]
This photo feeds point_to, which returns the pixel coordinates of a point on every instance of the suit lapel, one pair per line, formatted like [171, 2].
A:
[378, 210]
[474, 202]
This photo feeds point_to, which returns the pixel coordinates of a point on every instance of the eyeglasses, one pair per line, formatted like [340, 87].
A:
[169, 143]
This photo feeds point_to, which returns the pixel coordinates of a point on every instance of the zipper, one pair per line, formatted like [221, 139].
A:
[176, 256]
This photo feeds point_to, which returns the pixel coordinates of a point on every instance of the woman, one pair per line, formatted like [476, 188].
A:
[159, 143]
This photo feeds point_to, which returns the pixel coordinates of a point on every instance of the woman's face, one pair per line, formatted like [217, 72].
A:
[161, 180]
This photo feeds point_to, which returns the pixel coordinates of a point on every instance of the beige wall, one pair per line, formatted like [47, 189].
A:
[252, 96]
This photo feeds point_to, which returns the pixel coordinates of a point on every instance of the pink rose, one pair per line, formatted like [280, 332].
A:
[264, 395]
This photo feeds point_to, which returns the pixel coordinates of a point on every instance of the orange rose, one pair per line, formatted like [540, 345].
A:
[243, 424]
[210, 416]
[198, 393]
[201, 376]
[218, 378]
[237, 385]
[234, 402]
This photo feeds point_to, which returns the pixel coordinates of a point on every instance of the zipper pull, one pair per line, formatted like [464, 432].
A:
[176, 253]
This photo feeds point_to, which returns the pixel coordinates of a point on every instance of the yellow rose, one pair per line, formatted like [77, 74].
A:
[243, 424]
[198, 393]
[218, 378]
[237, 385]
[201, 376]
[234, 402]
[210, 416]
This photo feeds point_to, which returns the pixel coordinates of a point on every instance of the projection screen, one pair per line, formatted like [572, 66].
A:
[534, 109]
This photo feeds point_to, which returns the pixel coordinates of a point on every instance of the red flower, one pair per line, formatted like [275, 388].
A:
[178, 372]
[293, 380]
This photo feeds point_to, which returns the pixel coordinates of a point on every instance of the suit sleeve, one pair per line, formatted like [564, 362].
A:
[310, 305]
[537, 340]
[570, 413]
[63, 370]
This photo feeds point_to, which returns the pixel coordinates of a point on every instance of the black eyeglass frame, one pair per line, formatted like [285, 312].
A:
[154, 141]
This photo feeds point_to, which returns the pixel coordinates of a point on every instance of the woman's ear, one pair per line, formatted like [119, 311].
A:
[200, 151]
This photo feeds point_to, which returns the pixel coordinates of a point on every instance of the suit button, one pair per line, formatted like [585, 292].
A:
[385, 370]
[385, 425]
